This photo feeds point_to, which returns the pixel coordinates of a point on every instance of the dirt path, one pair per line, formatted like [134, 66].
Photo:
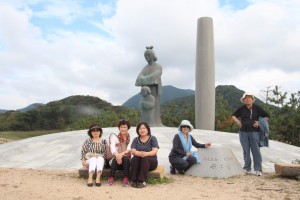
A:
[56, 184]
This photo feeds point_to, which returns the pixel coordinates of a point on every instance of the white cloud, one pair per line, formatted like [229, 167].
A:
[255, 47]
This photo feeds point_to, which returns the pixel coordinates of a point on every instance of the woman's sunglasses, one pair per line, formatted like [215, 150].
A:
[185, 127]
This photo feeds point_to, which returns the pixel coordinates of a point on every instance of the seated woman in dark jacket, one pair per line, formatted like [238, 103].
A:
[181, 157]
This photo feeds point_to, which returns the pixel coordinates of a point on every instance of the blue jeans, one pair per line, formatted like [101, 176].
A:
[250, 141]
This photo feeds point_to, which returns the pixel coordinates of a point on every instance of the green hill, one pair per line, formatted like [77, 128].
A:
[74, 112]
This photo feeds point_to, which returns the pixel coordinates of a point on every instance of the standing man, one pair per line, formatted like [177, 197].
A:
[246, 117]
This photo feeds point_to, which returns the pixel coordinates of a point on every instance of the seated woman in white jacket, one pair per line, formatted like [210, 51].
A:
[119, 145]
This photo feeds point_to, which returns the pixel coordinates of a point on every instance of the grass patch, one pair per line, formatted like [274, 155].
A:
[150, 180]
[19, 135]
[271, 176]
[276, 176]
[154, 181]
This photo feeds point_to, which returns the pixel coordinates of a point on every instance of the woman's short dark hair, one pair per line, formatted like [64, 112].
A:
[146, 125]
[124, 122]
[95, 127]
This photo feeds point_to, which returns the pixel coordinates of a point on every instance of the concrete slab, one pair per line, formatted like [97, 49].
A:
[62, 150]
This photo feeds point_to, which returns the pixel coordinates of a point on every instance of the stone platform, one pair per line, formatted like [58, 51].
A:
[62, 150]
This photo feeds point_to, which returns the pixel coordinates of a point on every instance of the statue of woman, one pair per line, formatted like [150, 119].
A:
[147, 104]
[151, 76]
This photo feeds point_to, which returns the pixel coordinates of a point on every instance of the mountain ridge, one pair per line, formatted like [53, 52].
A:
[169, 93]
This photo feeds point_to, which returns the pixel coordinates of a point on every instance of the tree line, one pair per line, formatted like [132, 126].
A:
[284, 123]
[78, 112]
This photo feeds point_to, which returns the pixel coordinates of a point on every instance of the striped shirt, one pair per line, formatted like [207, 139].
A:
[93, 147]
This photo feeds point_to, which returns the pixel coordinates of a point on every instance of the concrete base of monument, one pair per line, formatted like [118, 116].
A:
[216, 162]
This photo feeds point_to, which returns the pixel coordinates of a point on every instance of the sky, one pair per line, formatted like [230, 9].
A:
[52, 49]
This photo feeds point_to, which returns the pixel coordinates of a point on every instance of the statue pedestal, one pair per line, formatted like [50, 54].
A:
[216, 162]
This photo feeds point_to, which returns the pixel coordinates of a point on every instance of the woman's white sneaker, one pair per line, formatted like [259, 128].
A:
[258, 173]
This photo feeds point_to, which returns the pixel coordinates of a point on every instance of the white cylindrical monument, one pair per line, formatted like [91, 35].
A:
[205, 75]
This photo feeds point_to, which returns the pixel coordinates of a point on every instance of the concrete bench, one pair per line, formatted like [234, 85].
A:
[159, 172]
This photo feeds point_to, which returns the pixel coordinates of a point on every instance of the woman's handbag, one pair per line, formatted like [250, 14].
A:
[109, 155]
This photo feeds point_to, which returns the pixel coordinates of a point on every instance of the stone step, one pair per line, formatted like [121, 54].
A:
[287, 169]
[159, 172]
